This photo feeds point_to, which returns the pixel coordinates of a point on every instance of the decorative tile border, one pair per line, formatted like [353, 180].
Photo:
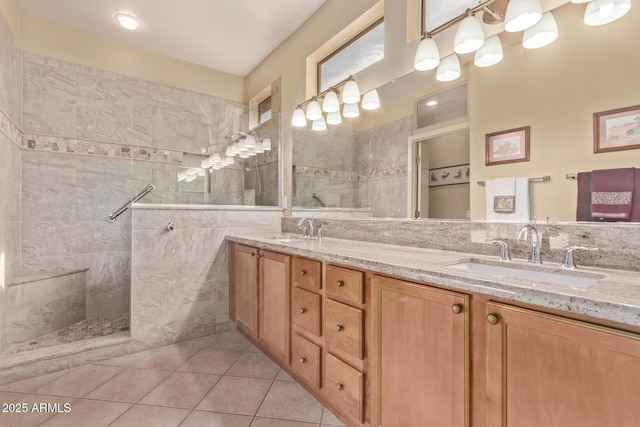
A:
[326, 173]
[10, 129]
[58, 144]
[394, 172]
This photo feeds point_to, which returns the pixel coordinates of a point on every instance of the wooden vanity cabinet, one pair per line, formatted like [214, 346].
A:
[546, 370]
[244, 269]
[274, 303]
[420, 360]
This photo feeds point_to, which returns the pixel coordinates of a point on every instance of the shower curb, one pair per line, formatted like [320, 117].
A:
[25, 365]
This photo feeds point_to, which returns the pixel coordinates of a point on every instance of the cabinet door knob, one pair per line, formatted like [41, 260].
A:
[340, 283]
[340, 386]
[253, 254]
[302, 310]
[303, 272]
[492, 319]
[303, 359]
[339, 328]
[456, 308]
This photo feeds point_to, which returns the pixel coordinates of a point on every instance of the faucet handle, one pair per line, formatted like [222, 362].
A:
[568, 261]
[305, 231]
[505, 255]
[320, 232]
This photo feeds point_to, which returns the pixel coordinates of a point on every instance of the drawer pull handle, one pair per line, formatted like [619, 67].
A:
[339, 328]
[303, 272]
[340, 283]
[456, 308]
[492, 319]
[302, 310]
[340, 386]
[303, 359]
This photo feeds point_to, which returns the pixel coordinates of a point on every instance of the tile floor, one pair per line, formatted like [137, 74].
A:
[214, 381]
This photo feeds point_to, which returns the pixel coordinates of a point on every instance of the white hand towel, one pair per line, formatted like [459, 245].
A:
[505, 187]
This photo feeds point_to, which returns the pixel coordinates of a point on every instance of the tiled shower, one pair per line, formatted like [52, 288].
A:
[75, 144]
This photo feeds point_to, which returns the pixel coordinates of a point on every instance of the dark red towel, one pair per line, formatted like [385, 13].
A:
[612, 193]
[635, 204]
[583, 211]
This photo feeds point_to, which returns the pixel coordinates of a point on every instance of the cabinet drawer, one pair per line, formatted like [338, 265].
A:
[305, 310]
[344, 386]
[305, 359]
[344, 328]
[345, 284]
[306, 274]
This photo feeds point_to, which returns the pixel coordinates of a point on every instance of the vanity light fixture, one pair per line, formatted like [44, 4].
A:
[490, 53]
[600, 12]
[518, 15]
[469, 36]
[127, 21]
[543, 33]
[449, 69]
[350, 97]
[266, 144]
[371, 100]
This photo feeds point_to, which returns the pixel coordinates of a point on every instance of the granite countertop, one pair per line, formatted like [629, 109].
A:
[615, 297]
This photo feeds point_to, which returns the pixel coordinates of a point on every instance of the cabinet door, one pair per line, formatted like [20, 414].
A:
[420, 355]
[247, 289]
[274, 303]
[544, 370]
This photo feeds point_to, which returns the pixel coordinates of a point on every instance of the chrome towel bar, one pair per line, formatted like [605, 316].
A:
[544, 178]
[116, 214]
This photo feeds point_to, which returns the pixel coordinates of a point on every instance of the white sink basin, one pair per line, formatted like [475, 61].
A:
[568, 278]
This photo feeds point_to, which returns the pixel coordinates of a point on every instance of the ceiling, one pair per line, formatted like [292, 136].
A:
[233, 36]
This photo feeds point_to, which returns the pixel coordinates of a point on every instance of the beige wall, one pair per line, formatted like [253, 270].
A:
[11, 13]
[556, 90]
[49, 39]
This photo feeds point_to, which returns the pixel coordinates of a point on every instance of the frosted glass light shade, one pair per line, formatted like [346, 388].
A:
[244, 155]
[314, 112]
[449, 69]
[490, 53]
[427, 55]
[469, 36]
[350, 111]
[266, 144]
[543, 33]
[335, 118]
[319, 124]
[350, 93]
[259, 149]
[250, 141]
[371, 100]
[215, 159]
[228, 161]
[600, 12]
[522, 14]
[242, 147]
[331, 103]
[229, 151]
[299, 119]
[252, 152]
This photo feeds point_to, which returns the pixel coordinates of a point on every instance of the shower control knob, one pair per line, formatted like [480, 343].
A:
[170, 227]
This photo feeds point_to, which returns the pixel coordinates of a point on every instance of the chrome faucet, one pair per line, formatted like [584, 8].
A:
[568, 261]
[504, 249]
[307, 232]
[534, 251]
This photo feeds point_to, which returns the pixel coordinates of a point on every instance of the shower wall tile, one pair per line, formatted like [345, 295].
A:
[108, 282]
[103, 236]
[48, 187]
[10, 73]
[43, 306]
[388, 197]
[227, 117]
[181, 119]
[49, 96]
[103, 185]
[178, 276]
[40, 238]
[386, 146]
[104, 105]
[141, 130]
[336, 148]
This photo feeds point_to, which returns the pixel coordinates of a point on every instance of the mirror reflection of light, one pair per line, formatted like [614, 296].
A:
[432, 103]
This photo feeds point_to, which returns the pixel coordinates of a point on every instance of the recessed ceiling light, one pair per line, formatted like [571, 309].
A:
[127, 21]
[432, 103]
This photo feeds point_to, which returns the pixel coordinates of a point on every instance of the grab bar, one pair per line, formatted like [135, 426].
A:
[116, 214]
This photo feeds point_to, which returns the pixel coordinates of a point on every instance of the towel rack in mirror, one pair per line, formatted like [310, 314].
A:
[544, 178]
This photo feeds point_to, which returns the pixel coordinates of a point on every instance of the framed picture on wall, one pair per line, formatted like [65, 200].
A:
[507, 146]
[616, 130]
